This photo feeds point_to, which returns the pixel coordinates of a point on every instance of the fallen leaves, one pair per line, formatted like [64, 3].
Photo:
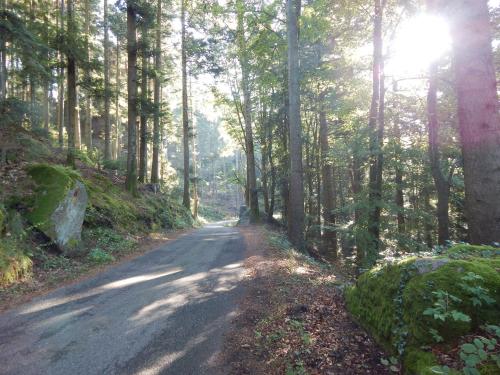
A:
[296, 322]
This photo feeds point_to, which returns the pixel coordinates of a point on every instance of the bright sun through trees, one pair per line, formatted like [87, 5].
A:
[419, 41]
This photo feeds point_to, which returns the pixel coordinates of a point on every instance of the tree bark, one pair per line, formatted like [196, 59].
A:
[186, 201]
[143, 143]
[478, 118]
[296, 203]
[329, 236]
[72, 100]
[131, 180]
[376, 127]
[156, 118]
[107, 91]
[247, 113]
[441, 183]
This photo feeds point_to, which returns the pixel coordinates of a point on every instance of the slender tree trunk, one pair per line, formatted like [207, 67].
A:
[117, 103]
[143, 143]
[442, 186]
[131, 181]
[375, 184]
[296, 208]
[3, 60]
[186, 201]
[156, 118]
[72, 100]
[478, 117]
[247, 112]
[107, 90]
[61, 78]
[328, 199]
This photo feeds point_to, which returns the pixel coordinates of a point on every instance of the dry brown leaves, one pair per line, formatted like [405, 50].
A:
[293, 320]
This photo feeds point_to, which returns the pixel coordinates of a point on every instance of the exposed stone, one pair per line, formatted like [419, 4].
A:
[425, 265]
[67, 218]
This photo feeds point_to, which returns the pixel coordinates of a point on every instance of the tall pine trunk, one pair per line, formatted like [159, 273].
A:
[442, 185]
[478, 118]
[329, 236]
[156, 94]
[143, 142]
[247, 113]
[296, 201]
[376, 126]
[72, 93]
[107, 90]
[131, 180]
[186, 201]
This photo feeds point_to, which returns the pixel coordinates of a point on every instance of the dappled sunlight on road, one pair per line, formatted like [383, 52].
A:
[149, 315]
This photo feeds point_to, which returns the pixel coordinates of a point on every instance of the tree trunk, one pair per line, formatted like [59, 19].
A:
[156, 118]
[442, 186]
[117, 103]
[72, 100]
[296, 207]
[3, 60]
[329, 236]
[131, 181]
[143, 144]
[478, 117]
[107, 91]
[376, 127]
[247, 112]
[186, 201]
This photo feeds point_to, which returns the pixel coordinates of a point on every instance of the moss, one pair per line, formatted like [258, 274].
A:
[53, 183]
[14, 264]
[374, 301]
[419, 362]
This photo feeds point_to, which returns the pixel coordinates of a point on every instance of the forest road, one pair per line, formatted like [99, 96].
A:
[164, 312]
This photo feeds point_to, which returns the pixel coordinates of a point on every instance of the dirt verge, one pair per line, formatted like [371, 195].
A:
[293, 319]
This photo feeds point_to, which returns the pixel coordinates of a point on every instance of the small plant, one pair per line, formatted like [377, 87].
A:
[99, 256]
[392, 363]
[472, 354]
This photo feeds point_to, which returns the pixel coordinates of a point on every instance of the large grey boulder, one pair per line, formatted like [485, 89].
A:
[67, 218]
[60, 203]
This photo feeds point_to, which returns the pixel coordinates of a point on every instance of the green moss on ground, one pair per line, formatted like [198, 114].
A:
[389, 301]
[53, 183]
[14, 263]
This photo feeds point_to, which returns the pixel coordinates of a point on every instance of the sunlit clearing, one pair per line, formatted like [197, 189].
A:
[420, 41]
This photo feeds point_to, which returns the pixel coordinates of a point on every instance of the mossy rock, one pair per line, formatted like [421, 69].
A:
[59, 205]
[400, 292]
[53, 183]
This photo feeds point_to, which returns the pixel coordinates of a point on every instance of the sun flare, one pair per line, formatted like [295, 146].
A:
[420, 41]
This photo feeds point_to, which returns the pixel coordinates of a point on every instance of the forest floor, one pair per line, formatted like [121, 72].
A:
[293, 318]
[58, 271]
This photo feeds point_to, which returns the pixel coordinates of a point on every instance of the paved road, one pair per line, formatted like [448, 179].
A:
[162, 313]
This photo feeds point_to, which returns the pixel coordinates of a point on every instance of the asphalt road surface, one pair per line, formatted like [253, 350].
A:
[162, 313]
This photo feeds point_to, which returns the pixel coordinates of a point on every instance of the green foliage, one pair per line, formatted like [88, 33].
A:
[100, 256]
[109, 240]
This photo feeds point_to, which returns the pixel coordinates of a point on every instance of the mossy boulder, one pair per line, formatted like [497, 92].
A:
[59, 204]
[390, 300]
